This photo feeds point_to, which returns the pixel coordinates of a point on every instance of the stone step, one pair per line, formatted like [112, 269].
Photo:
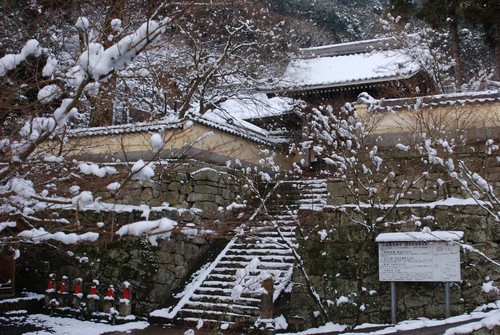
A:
[212, 301]
[270, 232]
[262, 266]
[258, 252]
[275, 271]
[218, 283]
[273, 258]
[270, 245]
[225, 299]
[226, 275]
[280, 223]
[225, 316]
[312, 199]
[213, 293]
[265, 225]
[220, 277]
[193, 322]
[227, 306]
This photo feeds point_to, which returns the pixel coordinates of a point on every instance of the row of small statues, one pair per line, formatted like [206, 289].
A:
[90, 303]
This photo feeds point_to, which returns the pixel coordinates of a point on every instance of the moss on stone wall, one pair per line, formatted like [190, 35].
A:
[341, 260]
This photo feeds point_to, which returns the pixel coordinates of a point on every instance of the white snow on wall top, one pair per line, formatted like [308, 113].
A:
[166, 123]
[229, 117]
[450, 99]
[434, 236]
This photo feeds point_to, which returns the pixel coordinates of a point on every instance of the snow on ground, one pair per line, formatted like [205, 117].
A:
[26, 296]
[478, 320]
[69, 326]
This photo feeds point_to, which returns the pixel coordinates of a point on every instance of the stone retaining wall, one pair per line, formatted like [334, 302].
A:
[207, 189]
[430, 187]
[196, 197]
[154, 272]
[341, 261]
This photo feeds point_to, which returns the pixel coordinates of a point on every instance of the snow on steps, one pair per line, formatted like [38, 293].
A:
[307, 194]
[211, 296]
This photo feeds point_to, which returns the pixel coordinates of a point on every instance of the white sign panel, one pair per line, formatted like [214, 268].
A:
[419, 261]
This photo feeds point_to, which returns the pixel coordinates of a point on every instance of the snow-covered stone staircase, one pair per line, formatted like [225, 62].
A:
[228, 292]
[313, 193]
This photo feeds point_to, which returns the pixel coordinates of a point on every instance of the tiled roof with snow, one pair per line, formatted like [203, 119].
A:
[220, 120]
[346, 64]
[229, 117]
[363, 68]
[257, 106]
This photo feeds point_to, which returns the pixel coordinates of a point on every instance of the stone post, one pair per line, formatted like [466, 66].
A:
[77, 293]
[50, 292]
[109, 299]
[93, 298]
[125, 306]
[62, 293]
[266, 300]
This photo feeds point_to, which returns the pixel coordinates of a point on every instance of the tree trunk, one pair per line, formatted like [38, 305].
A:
[455, 51]
[103, 111]
[497, 49]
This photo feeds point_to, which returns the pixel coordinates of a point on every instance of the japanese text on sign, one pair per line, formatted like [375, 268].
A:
[419, 261]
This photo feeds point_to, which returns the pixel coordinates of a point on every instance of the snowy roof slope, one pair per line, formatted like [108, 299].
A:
[220, 120]
[351, 69]
[348, 48]
[257, 106]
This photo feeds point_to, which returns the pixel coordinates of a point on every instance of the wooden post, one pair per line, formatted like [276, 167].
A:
[266, 300]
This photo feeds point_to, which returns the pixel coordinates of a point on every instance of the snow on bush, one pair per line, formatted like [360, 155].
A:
[246, 279]
[82, 23]
[116, 25]
[6, 224]
[22, 187]
[142, 171]
[113, 186]
[322, 235]
[48, 93]
[481, 183]
[342, 300]
[156, 142]
[99, 62]
[50, 67]
[94, 169]
[83, 199]
[11, 61]
[40, 235]
[33, 128]
[489, 287]
[161, 228]
[402, 147]
[75, 189]
[235, 205]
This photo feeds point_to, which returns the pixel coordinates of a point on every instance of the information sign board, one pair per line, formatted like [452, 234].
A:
[419, 261]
